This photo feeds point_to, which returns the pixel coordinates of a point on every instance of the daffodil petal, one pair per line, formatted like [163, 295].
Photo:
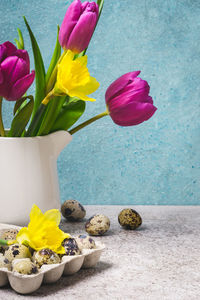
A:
[43, 231]
[61, 250]
[53, 215]
[75, 93]
[35, 213]
[82, 60]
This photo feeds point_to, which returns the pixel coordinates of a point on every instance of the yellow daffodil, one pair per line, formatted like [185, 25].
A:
[43, 231]
[73, 77]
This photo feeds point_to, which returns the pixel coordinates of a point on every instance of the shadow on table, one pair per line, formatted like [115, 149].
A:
[68, 281]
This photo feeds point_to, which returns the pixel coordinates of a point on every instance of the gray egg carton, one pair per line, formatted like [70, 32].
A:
[26, 284]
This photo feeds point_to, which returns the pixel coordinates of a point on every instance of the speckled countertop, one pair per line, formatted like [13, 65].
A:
[159, 261]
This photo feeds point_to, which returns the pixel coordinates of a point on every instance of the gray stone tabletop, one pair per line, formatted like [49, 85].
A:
[159, 261]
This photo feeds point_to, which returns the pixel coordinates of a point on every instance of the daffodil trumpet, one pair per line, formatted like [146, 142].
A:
[73, 78]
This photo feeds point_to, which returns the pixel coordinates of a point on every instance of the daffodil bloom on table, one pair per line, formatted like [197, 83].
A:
[43, 231]
[73, 78]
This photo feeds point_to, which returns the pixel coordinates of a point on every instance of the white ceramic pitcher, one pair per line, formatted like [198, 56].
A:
[28, 175]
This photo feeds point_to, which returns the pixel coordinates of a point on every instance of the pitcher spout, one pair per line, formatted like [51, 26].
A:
[59, 140]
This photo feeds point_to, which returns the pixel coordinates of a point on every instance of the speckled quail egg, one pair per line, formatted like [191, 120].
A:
[4, 262]
[85, 242]
[45, 257]
[24, 266]
[71, 247]
[97, 225]
[17, 251]
[129, 219]
[72, 210]
[9, 234]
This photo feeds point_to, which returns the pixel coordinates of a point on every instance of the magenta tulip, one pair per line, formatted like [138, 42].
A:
[128, 100]
[15, 76]
[78, 25]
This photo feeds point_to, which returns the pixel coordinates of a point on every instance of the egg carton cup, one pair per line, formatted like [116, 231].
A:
[26, 284]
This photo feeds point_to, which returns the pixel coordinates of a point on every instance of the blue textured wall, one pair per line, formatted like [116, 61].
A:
[157, 162]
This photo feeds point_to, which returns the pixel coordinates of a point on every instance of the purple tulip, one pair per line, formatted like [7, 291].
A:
[128, 100]
[78, 25]
[15, 76]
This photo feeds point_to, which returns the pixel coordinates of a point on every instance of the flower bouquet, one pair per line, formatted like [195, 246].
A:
[61, 92]
[45, 122]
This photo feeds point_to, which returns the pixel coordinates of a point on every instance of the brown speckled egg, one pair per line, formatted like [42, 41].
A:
[9, 234]
[4, 262]
[24, 266]
[129, 219]
[85, 242]
[97, 225]
[45, 257]
[17, 251]
[72, 210]
[71, 247]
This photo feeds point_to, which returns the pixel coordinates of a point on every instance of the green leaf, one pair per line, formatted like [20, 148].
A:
[19, 46]
[69, 115]
[36, 121]
[40, 84]
[51, 114]
[54, 60]
[21, 119]
[19, 103]
[100, 4]
[20, 42]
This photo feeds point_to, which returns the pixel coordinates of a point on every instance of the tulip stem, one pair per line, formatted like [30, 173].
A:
[35, 123]
[84, 124]
[2, 131]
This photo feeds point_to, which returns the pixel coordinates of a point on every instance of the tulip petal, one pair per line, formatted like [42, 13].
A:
[8, 65]
[24, 55]
[1, 77]
[20, 70]
[149, 99]
[82, 32]
[84, 6]
[14, 72]
[130, 95]
[71, 17]
[119, 84]
[21, 86]
[10, 48]
[133, 114]
[4, 90]
[14, 68]
[2, 52]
